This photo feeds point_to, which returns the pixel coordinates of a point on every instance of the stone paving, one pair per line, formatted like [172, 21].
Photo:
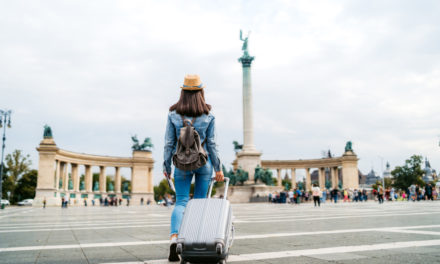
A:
[395, 232]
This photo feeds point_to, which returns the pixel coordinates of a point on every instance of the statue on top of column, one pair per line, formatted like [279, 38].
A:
[348, 146]
[245, 42]
[47, 132]
[146, 146]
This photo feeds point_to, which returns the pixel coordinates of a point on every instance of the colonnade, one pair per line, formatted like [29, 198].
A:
[346, 166]
[53, 168]
[333, 177]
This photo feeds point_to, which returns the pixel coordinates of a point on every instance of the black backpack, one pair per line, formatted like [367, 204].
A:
[190, 154]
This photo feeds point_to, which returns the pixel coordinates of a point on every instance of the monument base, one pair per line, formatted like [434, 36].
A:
[248, 161]
[51, 195]
[248, 193]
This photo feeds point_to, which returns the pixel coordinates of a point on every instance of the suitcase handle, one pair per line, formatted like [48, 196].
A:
[225, 195]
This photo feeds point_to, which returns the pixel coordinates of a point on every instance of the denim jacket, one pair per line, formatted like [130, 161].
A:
[204, 125]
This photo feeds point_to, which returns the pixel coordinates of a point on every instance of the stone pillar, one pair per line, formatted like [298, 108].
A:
[308, 186]
[293, 178]
[117, 180]
[141, 177]
[249, 158]
[47, 151]
[150, 187]
[279, 180]
[75, 178]
[88, 179]
[102, 180]
[335, 177]
[350, 176]
[321, 177]
[57, 176]
[65, 177]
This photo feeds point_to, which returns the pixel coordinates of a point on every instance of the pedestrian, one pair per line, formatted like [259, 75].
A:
[93, 202]
[85, 202]
[190, 110]
[345, 195]
[380, 193]
[316, 193]
[323, 195]
[142, 201]
[356, 195]
[44, 203]
[290, 193]
[428, 192]
[365, 195]
[270, 197]
[434, 193]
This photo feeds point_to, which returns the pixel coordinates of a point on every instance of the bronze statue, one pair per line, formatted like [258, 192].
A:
[146, 146]
[47, 132]
[245, 43]
[237, 146]
[348, 146]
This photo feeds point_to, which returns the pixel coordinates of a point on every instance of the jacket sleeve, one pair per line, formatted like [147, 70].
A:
[170, 144]
[212, 146]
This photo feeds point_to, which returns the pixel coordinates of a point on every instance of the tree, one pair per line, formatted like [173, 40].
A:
[17, 165]
[408, 174]
[26, 185]
[162, 189]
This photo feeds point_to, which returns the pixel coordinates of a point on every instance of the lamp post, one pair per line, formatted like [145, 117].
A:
[5, 120]
[381, 171]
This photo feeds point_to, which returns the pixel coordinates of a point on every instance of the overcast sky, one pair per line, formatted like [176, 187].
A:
[325, 72]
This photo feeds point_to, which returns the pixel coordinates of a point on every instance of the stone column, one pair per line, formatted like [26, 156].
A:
[308, 186]
[249, 158]
[88, 179]
[66, 177]
[335, 177]
[102, 180]
[46, 187]
[63, 175]
[150, 187]
[321, 177]
[57, 176]
[279, 180]
[117, 180]
[75, 177]
[293, 178]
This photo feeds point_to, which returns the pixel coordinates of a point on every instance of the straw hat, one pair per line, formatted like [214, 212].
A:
[192, 82]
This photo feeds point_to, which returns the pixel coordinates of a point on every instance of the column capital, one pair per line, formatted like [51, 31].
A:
[246, 60]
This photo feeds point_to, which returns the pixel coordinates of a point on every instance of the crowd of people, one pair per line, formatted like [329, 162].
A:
[379, 194]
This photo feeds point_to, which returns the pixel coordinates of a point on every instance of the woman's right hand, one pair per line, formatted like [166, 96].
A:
[166, 175]
[219, 177]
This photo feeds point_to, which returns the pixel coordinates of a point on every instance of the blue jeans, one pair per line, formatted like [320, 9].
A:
[182, 183]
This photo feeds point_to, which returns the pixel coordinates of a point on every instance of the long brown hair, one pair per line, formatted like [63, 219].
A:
[191, 103]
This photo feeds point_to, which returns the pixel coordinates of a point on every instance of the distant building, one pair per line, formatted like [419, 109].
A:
[387, 172]
[372, 178]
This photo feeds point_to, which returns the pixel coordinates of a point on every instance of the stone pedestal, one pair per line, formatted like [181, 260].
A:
[141, 177]
[46, 182]
[248, 161]
[350, 176]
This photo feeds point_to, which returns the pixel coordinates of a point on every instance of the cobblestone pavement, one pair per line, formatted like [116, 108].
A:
[395, 232]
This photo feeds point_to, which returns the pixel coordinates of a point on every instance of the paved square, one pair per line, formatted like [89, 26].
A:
[395, 232]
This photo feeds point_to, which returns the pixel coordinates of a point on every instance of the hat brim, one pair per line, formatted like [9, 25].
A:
[192, 88]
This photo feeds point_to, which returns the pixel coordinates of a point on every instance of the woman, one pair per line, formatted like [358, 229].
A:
[191, 106]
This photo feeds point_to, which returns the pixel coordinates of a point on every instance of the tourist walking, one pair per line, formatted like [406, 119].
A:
[316, 193]
[44, 203]
[346, 196]
[428, 191]
[190, 110]
[380, 194]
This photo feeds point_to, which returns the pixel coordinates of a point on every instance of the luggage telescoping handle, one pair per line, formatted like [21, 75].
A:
[212, 184]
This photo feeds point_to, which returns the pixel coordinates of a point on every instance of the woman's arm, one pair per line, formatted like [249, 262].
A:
[212, 146]
[170, 143]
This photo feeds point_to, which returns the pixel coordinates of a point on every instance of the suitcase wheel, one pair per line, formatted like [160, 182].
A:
[219, 248]
[223, 261]
[179, 248]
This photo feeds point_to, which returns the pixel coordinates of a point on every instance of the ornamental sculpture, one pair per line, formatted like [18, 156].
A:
[47, 132]
[146, 146]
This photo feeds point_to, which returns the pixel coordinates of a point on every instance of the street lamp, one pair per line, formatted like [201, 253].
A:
[381, 171]
[5, 120]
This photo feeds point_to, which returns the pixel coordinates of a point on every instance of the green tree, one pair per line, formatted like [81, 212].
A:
[17, 165]
[162, 189]
[26, 185]
[408, 174]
